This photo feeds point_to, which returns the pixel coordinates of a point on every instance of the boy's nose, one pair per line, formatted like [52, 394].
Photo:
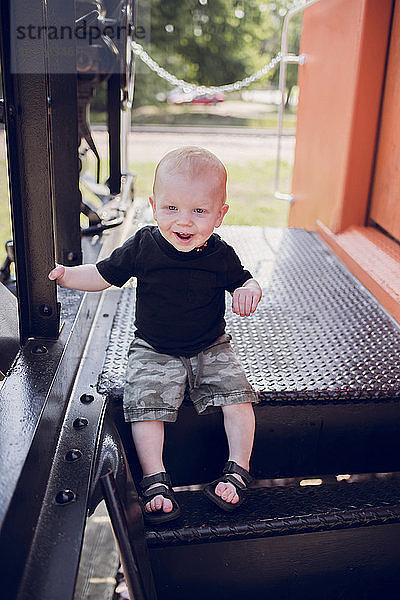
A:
[184, 218]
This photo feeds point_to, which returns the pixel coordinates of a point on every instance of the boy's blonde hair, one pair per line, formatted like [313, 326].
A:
[192, 162]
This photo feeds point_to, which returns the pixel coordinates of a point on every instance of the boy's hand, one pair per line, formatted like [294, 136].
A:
[82, 277]
[57, 273]
[246, 298]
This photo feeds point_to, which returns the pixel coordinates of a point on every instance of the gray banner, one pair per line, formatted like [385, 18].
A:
[53, 37]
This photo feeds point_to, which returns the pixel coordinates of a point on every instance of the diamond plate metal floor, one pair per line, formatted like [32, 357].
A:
[318, 336]
[281, 511]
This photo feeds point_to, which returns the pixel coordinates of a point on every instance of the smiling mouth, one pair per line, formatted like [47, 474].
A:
[183, 236]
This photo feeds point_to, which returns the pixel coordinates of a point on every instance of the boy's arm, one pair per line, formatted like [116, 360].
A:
[83, 277]
[246, 298]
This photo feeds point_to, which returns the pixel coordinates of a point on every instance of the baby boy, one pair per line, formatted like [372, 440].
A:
[183, 269]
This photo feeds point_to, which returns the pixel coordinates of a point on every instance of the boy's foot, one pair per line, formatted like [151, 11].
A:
[228, 492]
[158, 498]
[159, 503]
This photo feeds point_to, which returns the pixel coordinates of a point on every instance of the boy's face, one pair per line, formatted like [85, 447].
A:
[187, 211]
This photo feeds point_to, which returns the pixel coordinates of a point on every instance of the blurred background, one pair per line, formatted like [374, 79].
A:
[207, 42]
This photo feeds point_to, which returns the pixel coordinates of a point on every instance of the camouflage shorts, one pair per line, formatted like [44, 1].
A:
[156, 383]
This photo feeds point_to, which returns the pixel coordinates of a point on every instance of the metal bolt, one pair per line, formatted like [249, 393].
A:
[73, 455]
[39, 350]
[45, 310]
[65, 497]
[80, 423]
[87, 398]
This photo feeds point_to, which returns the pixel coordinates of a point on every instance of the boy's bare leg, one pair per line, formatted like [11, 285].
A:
[239, 426]
[149, 442]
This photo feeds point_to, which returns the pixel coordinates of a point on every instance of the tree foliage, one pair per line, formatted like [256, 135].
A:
[212, 42]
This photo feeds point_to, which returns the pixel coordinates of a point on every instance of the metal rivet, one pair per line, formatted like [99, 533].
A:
[73, 455]
[65, 497]
[45, 310]
[39, 350]
[87, 398]
[80, 423]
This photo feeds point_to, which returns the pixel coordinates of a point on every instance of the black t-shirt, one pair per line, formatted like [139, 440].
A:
[180, 298]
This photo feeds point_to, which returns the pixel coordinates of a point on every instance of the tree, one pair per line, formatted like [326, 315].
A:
[210, 42]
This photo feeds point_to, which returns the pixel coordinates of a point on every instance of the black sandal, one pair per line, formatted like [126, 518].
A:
[160, 490]
[230, 467]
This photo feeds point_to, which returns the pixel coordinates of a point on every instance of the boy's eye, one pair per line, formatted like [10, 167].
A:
[171, 207]
[199, 210]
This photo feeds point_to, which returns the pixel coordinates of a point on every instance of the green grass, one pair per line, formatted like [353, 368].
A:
[251, 195]
[250, 192]
[226, 115]
[211, 120]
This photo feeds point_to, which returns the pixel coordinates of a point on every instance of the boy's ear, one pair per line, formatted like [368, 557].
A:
[153, 205]
[222, 212]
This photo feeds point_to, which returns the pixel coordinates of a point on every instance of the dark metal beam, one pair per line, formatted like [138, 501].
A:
[34, 403]
[26, 95]
[64, 132]
[117, 515]
[114, 131]
[119, 102]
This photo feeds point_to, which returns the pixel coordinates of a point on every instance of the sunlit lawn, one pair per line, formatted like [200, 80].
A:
[250, 194]
[226, 114]
[250, 190]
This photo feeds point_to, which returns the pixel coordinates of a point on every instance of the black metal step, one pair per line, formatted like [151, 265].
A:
[318, 336]
[330, 542]
[281, 510]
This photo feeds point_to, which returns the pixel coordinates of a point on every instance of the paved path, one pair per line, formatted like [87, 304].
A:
[146, 145]
[230, 147]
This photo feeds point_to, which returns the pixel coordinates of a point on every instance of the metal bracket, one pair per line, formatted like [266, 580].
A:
[286, 59]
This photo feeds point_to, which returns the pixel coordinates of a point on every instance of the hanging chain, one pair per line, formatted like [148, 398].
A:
[202, 89]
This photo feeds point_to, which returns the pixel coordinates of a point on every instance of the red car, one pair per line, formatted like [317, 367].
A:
[179, 96]
[211, 98]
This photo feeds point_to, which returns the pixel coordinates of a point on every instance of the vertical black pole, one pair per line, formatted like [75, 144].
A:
[130, 566]
[64, 131]
[26, 96]
[114, 131]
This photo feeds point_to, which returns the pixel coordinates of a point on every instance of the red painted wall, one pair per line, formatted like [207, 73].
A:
[341, 84]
